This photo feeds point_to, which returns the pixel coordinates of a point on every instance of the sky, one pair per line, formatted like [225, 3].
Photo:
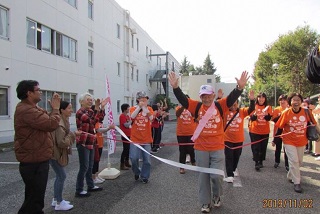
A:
[233, 32]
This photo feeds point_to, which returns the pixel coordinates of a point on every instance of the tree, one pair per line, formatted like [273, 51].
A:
[290, 51]
[184, 66]
[208, 66]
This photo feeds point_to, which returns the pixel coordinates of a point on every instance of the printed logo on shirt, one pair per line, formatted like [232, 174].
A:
[298, 125]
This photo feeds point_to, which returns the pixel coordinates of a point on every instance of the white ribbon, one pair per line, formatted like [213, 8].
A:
[173, 163]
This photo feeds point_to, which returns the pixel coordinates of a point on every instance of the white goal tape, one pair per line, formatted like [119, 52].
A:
[173, 163]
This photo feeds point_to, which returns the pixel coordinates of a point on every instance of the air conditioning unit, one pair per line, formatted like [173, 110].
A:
[133, 63]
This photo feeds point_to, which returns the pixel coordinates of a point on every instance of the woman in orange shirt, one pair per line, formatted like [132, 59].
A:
[294, 121]
[259, 129]
[185, 129]
[234, 135]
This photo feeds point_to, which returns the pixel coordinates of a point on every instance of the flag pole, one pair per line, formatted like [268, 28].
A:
[110, 173]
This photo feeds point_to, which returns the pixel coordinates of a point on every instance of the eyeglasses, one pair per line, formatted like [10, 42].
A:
[38, 89]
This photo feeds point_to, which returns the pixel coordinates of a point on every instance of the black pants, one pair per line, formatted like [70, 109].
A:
[232, 157]
[186, 149]
[125, 151]
[156, 135]
[35, 177]
[259, 150]
[95, 167]
[277, 153]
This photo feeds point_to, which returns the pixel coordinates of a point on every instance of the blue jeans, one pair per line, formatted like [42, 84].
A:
[86, 157]
[210, 184]
[135, 153]
[60, 178]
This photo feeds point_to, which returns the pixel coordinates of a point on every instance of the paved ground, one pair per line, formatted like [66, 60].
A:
[170, 192]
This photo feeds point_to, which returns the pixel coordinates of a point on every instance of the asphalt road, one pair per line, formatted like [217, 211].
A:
[267, 191]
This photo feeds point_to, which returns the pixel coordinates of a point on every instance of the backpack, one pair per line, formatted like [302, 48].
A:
[217, 105]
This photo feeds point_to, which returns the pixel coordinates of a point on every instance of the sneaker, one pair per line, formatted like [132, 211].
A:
[136, 177]
[182, 171]
[205, 208]
[154, 151]
[257, 166]
[297, 188]
[317, 158]
[54, 202]
[82, 194]
[228, 179]
[63, 206]
[276, 165]
[236, 173]
[145, 180]
[101, 179]
[95, 189]
[287, 168]
[97, 181]
[216, 201]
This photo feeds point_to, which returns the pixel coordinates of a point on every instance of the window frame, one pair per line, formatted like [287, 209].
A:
[5, 102]
[71, 1]
[6, 23]
[90, 9]
[119, 68]
[118, 31]
[90, 58]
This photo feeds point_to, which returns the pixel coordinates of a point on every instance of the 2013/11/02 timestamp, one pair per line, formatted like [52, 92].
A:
[287, 203]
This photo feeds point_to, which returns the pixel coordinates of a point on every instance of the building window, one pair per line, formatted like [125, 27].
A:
[31, 33]
[90, 58]
[150, 55]
[209, 80]
[132, 41]
[118, 107]
[4, 23]
[137, 45]
[118, 31]
[147, 52]
[4, 101]
[44, 38]
[132, 70]
[118, 66]
[65, 46]
[90, 9]
[72, 3]
[137, 77]
[47, 95]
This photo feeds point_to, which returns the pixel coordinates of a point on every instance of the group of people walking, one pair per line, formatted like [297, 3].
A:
[210, 131]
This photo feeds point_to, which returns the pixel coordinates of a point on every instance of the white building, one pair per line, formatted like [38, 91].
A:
[69, 46]
[191, 85]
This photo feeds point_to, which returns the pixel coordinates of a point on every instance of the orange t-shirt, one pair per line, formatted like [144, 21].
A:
[211, 137]
[295, 123]
[277, 111]
[235, 131]
[141, 127]
[99, 135]
[260, 126]
[185, 123]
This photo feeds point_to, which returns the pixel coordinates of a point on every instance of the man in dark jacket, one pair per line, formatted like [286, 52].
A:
[33, 143]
